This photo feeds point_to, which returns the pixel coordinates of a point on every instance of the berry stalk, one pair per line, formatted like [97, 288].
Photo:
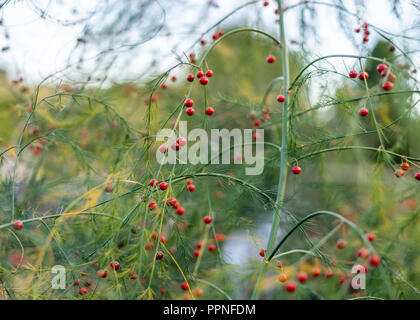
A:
[283, 157]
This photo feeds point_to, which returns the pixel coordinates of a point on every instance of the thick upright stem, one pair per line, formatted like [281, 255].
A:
[283, 158]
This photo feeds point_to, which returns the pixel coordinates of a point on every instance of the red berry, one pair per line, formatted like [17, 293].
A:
[181, 141]
[405, 166]
[255, 136]
[204, 80]
[271, 59]
[417, 176]
[108, 188]
[291, 286]
[367, 32]
[375, 261]
[353, 74]
[134, 276]
[180, 211]
[266, 3]
[207, 219]
[257, 123]
[364, 25]
[209, 73]
[381, 67]
[296, 170]
[387, 86]
[200, 74]
[173, 78]
[185, 286]
[159, 255]
[102, 273]
[329, 273]
[370, 237]
[162, 239]
[365, 39]
[196, 253]
[363, 75]
[341, 244]
[172, 201]
[191, 188]
[363, 253]
[83, 291]
[190, 111]
[363, 112]
[163, 186]
[18, 225]
[399, 173]
[163, 291]
[209, 111]
[149, 245]
[115, 265]
[215, 36]
[281, 98]
[302, 277]
[203, 42]
[164, 86]
[211, 247]
[220, 33]
[190, 78]
[189, 103]
[175, 146]
[76, 283]
[154, 235]
[316, 272]
[357, 30]
[360, 268]
[152, 205]
[198, 244]
[153, 182]
[163, 148]
[262, 252]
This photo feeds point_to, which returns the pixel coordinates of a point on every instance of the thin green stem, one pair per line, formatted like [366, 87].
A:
[281, 188]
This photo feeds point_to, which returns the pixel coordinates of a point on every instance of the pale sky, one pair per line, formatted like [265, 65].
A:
[40, 47]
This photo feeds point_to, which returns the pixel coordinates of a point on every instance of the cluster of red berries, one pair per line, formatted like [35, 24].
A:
[114, 265]
[199, 245]
[162, 185]
[189, 103]
[38, 145]
[193, 59]
[405, 167]
[173, 78]
[180, 142]
[218, 34]
[190, 185]
[303, 277]
[387, 85]
[366, 32]
[172, 202]
[362, 75]
[265, 115]
[390, 77]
